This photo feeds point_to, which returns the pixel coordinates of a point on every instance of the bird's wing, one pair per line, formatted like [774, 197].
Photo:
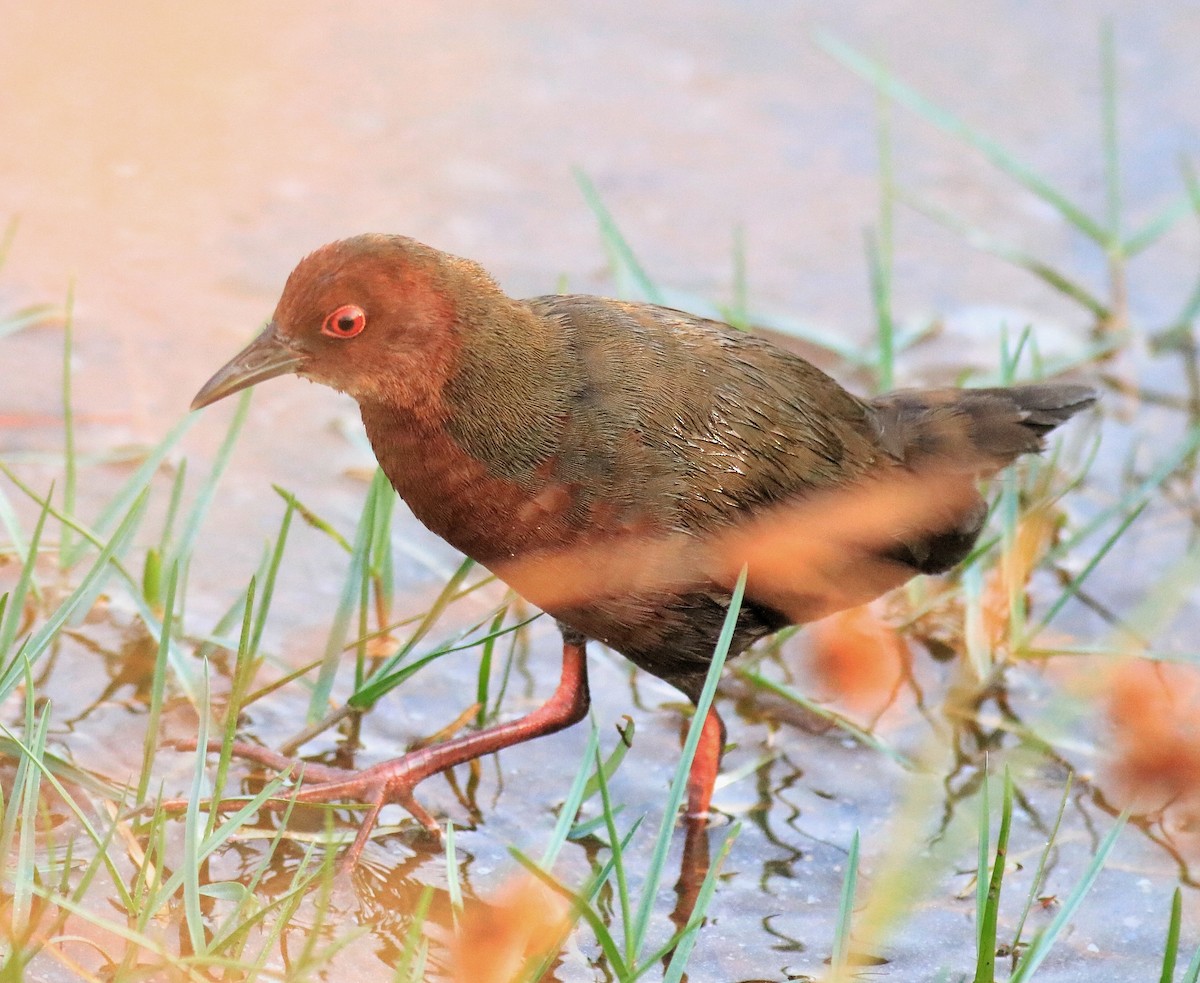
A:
[701, 420]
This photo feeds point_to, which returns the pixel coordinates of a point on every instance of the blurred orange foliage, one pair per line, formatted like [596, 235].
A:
[807, 557]
[858, 658]
[500, 941]
[1154, 708]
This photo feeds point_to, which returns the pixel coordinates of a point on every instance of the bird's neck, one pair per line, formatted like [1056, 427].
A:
[470, 465]
[505, 403]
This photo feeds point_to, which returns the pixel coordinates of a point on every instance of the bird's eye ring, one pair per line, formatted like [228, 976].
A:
[346, 322]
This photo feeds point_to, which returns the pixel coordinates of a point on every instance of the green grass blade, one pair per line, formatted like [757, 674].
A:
[23, 318]
[691, 931]
[880, 275]
[453, 883]
[204, 496]
[268, 590]
[10, 819]
[841, 933]
[737, 311]
[596, 923]
[1040, 947]
[1145, 489]
[390, 629]
[84, 604]
[582, 907]
[380, 681]
[371, 692]
[312, 519]
[1160, 225]
[158, 684]
[193, 826]
[218, 636]
[375, 570]
[983, 846]
[120, 504]
[1073, 587]
[466, 639]
[570, 807]
[985, 242]
[1043, 862]
[152, 584]
[14, 611]
[340, 629]
[173, 503]
[206, 846]
[997, 155]
[382, 568]
[1181, 328]
[1192, 973]
[483, 679]
[618, 853]
[51, 767]
[242, 671]
[411, 951]
[619, 250]
[989, 912]
[609, 766]
[1171, 949]
[658, 858]
[12, 525]
[120, 929]
[25, 805]
[863, 736]
[41, 639]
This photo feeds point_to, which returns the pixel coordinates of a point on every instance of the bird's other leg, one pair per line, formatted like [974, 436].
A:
[693, 865]
[705, 766]
[395, 780]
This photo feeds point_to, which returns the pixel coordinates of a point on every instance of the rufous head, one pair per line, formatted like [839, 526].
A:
[376, 316]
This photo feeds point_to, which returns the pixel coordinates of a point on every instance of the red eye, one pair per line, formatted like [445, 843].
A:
[345, 322]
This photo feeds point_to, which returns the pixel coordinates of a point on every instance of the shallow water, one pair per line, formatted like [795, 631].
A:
[173, 167]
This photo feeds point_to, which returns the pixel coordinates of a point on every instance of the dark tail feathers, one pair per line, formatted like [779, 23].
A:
[974, 429]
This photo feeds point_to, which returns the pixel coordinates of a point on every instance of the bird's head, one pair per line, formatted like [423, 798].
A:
[377, 316]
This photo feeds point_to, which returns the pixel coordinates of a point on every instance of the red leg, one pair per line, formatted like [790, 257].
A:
[705, 765]
[395, 780]
[693, 866]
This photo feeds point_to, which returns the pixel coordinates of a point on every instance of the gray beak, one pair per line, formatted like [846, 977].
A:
[264, 358]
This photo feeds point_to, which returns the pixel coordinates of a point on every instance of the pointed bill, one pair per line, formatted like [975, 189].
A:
[264, 358]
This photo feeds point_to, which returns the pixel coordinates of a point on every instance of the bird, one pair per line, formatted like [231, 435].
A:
[620, 464]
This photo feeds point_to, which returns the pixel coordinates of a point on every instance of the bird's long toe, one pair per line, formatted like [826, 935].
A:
[312, 772]
[389, 782]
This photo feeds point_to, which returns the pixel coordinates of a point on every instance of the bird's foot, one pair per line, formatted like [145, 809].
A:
[395, 780]
[392, 781]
